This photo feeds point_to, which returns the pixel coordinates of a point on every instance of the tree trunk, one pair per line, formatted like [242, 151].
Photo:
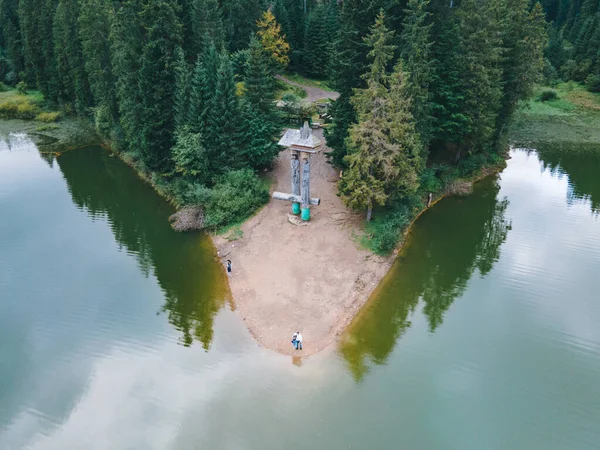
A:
[457, 156]
[369, 213]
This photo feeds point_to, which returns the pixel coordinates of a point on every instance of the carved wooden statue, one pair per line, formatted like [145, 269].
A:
[301, 143]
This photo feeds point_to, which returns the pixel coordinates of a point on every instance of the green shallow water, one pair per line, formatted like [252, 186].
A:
[117, 333]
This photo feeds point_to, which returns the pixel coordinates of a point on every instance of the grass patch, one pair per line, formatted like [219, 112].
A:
[284, 88]
[574, 117]
[297, 78]
[48, 117]
[50, 127]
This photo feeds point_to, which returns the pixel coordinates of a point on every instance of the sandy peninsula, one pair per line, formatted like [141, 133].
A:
[311, 278]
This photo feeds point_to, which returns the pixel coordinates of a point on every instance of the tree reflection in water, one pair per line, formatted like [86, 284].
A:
[580, 162]
[445, 247]
[184, 266]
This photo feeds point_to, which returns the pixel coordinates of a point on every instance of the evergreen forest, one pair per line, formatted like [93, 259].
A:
[187, 88]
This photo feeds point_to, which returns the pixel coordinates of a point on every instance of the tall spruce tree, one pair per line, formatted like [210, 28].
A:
[204, 84]
[183, 87]
[74, 86]
[50, 80]
[223, 139]
[240, 21]
[384, 154]
[315, 57]
[418, 62]
[163, 36]
[126, 37]
[259, 81]
[468, 76]
[35, 18]
[10, 37]
[207, 24]
[523, 39]
[261, 118]
[348, 63]
[94, 33]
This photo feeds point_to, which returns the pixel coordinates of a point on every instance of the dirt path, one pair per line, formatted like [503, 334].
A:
[314, 93]
[309, 278]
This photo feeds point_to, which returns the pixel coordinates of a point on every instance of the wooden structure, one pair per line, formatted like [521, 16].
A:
[302, 145]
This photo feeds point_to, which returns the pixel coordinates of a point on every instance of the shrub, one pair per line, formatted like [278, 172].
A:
[592, 83]
[26, 111]
[385, 231]
[8, 110]
[3, 87]
[429, 181]
[190, 193]
[549, 72]
[468, 166]
[236, 196]
[48, 117]
[547, 95]
[18, 108]
[22, 87]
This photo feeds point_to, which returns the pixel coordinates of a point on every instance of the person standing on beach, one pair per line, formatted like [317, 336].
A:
[229, 267]
[298, 341]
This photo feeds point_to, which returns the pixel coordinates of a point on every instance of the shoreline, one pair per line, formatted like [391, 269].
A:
[270, 308]
[307, 294]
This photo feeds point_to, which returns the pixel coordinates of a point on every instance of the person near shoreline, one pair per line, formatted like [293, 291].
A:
[229, 267]
[297, 340]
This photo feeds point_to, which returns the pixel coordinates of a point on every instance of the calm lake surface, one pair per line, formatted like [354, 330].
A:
[117, 333]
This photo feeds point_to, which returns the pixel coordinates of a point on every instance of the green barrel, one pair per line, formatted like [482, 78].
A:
[306, 214]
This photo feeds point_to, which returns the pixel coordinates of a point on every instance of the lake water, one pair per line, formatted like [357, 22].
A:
[117, 333]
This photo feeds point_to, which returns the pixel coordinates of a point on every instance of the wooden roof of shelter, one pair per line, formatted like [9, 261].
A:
[302, 139]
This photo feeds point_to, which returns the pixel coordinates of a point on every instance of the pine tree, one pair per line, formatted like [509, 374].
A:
[403, 132]
[35, 18]
[94, 32]
[282, 17]
[157, 82]
[348, 63]
[207, 24]
[126, 37]
[49, 80]
[524, 38]
[259, 82]
[480, 54]
[223, 139]
[261, 118]
[190, 158]
[468, 76]
[384, 147]
[183, 86]
[70, 66]
[416, 53]
[292, 21]
[240, 21]
[185, 14]
[317, 42]
[260, 138]
[204, 84]
[10, 36]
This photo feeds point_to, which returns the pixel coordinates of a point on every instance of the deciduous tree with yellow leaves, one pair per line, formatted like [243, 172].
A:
[272, 40]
